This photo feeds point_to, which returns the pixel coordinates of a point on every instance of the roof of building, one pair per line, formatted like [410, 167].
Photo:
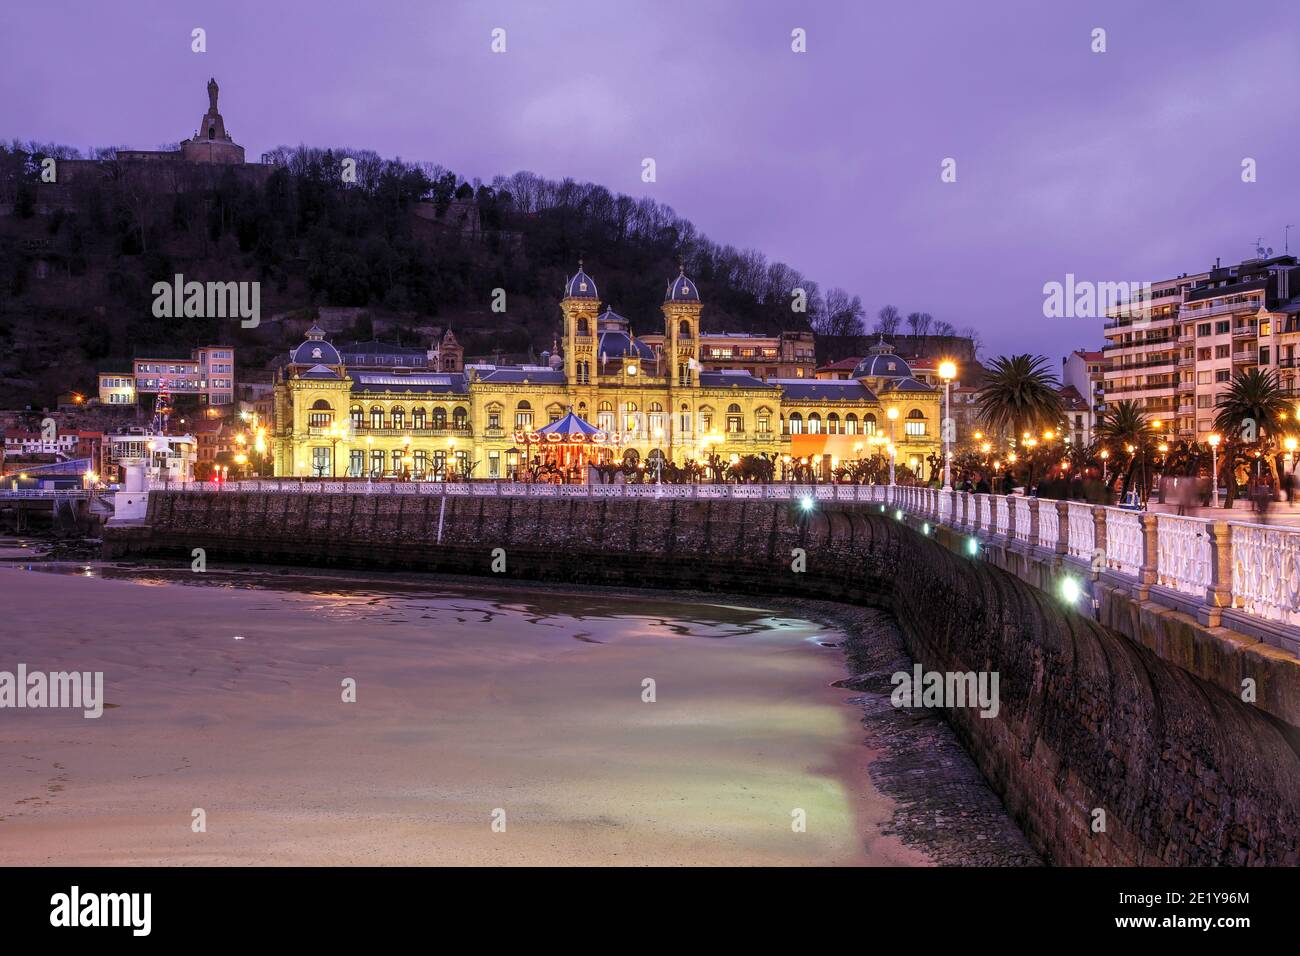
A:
[682, 289]
[843, 365]
[515, 376]
[581, 286]
[416, 382]
[617, 344]
[1071, 400]
[906, 385]
[376, 347]
[320, 372]
[570, 425]
[822, 390]
[882, 363]
[731, 378]
[316, 351]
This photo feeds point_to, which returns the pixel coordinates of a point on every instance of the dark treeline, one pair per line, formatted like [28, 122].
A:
[346, 227]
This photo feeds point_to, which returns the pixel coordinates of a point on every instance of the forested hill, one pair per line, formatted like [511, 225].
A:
[413, 244]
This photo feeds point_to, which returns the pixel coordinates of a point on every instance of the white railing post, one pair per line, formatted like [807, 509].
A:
[1011, 519]
[1218, 594]
[1062, 527]
[1150, 555]
[1098, 542]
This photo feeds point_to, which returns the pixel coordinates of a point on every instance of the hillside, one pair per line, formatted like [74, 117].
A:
[414, 246]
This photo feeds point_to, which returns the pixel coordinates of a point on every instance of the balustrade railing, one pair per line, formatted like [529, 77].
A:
[1183, 558]
[1252, 569]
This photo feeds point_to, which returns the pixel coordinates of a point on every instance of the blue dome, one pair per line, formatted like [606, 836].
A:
[682, 289]
[882, 363]
[612, 343]
[580, 286]
[316, 352]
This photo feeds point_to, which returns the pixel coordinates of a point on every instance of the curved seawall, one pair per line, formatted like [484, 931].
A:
[1103, 752]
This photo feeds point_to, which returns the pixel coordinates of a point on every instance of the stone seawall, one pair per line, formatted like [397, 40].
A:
[1091, 723]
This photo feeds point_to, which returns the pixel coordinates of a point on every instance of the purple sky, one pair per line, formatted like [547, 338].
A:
[1122, 166]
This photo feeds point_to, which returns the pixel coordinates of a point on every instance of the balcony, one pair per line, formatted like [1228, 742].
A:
[1245, 331]
[1186, 361]
[1245, 357]
[1190, 314]
[1186, 386]
[364, 431]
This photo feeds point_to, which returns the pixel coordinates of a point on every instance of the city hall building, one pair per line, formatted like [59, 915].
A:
[605, 397]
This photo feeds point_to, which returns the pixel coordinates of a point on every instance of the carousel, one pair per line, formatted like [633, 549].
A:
[564, 451]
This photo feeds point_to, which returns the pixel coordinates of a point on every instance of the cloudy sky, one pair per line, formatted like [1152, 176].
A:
[1117, 166]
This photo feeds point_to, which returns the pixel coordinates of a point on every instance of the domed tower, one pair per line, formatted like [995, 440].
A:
[580, 305]
[682, 330]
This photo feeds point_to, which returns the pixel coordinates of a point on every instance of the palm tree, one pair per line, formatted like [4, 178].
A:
[1018, 395]
[1254, 406]
[1123, 428]
[1251, 415]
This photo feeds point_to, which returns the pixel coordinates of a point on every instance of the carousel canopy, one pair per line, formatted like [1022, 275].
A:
[569, 428]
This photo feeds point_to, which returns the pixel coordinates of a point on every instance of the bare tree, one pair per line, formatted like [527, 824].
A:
[839, 314]
[919, 322]
[887, 320]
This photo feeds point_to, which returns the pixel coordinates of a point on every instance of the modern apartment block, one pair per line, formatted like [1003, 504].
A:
[208, 373]
[1178, 352]
[1143, 355]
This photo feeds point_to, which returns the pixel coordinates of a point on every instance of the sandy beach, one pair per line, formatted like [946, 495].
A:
[227, 696]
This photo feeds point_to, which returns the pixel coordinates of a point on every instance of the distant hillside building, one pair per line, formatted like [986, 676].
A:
[209, 153]
[208, 373]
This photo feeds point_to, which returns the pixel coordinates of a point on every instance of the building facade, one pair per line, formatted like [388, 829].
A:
[208, 374]
[648, 402]
[1177, 354]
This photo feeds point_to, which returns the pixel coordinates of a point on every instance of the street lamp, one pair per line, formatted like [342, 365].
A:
[947, 372]
[1214, 470]
[1104, 455]
[892, 415]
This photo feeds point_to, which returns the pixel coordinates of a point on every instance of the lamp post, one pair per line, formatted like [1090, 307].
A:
[892, 415]
[947, 372]
[1214, 470]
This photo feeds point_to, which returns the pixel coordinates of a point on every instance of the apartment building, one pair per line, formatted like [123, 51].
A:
[209, 374]
[1084, 372]
[1143, 355]
[1177, 353]
[1233, 320]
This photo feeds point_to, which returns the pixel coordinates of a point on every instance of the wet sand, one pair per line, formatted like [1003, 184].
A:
[227, 696]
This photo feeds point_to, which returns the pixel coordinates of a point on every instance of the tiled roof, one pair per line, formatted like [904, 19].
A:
[416, 382]
[731, 379]
[813, 390]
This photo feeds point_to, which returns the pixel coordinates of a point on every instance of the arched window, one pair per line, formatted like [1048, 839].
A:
[850, 424]
[523, 405]
[915, 424]
[832, 424]
[523, 416]
[684, 329]
[763, 420]
[399, 416]
[814, 423]
[656, 407]
[417, 417]
[460, 419]
[796, 423]
[376, 416]
[321, 414]
[868, 424]
[358, 417]
[439, 417]
[583, 328]
[735, 420]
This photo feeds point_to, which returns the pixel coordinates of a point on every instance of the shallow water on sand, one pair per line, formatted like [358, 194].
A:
[474, 704]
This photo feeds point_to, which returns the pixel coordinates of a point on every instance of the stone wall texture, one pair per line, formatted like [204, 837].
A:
[1186, 773]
